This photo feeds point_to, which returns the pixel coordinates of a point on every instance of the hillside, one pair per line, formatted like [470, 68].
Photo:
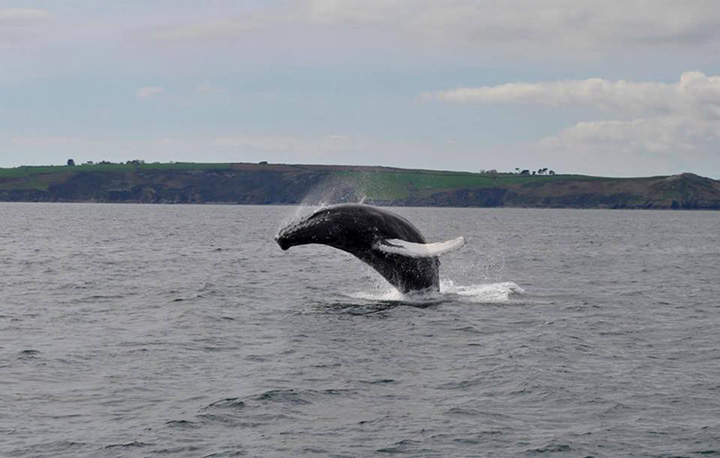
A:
[291, 184]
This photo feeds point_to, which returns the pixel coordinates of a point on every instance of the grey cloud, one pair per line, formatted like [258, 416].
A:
[22, 16]
[228, 28]
[521, 25]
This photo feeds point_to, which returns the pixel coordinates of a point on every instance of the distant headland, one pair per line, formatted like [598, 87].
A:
[265, 184]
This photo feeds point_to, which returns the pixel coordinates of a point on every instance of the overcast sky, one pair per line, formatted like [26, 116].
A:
[627, 88]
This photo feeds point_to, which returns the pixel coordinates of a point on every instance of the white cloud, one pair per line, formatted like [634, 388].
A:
[44, 141]
[521, 25]
[207, 87]
[694, 93]
[669, 135]
[315, 146]
[17, 16]
[149, 92]
[657, 119]
[172, 142]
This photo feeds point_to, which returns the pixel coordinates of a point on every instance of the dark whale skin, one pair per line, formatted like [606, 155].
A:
[356, 229]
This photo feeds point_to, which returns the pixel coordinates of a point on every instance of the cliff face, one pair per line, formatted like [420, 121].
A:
[290, 184]
[685, 191]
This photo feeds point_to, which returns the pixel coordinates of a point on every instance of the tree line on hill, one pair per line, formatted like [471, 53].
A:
[71, 162]
[543, 171]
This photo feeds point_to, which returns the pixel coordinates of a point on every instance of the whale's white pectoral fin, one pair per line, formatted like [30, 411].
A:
[419, 250]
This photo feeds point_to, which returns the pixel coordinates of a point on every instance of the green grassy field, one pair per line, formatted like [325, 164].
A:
[400, 185]
[28, 171]
[377, 183]
[185, 182]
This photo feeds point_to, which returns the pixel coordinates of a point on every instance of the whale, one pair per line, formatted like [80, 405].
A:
[384, 240]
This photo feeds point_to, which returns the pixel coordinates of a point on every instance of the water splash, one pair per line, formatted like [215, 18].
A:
[488, 293]
[327, 193]
[484, 292]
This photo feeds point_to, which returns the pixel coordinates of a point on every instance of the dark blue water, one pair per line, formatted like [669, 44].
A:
[129, 330]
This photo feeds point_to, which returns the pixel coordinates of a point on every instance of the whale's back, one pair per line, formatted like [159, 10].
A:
[364, 231]
[375, 225]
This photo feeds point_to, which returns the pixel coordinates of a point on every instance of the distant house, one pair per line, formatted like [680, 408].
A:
[263, 162]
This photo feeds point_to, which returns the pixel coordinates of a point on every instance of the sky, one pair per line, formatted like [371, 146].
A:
[595, 87]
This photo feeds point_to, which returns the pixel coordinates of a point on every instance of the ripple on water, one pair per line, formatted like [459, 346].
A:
[127, 445]
[610, 352]
[182, 424]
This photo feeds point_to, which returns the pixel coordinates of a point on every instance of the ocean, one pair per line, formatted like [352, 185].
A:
[171, 330]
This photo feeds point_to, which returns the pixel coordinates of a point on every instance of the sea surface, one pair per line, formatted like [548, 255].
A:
[184, 331]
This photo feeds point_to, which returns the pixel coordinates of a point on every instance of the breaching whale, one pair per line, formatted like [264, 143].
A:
[387, 242]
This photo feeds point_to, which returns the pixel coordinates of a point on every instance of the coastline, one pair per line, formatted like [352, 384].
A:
[290, 184]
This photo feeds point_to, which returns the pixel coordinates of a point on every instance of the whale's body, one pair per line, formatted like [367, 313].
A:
[387, 242]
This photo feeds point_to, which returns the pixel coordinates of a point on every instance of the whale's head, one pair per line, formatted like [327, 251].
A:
[297, 233]
[340, 226]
